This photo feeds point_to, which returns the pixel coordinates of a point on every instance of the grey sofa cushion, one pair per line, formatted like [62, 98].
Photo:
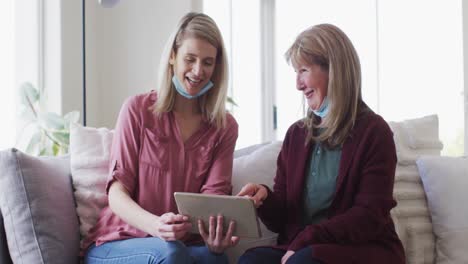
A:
[249, 149]
[36, 200]
[4, 255]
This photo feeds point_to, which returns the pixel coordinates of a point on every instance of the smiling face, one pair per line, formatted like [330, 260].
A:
[312, 80]
[194, 63]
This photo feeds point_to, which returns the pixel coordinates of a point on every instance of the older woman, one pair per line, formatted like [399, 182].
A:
[332, 195]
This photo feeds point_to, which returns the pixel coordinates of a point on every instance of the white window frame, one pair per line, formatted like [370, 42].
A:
[268, 82]
[465, 71]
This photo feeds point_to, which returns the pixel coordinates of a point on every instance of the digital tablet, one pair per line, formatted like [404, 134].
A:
[202, 206]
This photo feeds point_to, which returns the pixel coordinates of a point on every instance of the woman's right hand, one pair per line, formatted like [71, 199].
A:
[170, 227]
[256, 192]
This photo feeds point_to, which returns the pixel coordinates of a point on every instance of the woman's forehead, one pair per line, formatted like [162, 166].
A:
[198, 47]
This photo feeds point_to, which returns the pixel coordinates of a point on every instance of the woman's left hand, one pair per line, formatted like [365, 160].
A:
[214, 238]
[286, 256]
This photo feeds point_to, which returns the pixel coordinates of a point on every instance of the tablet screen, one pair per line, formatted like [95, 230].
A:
[202, 206]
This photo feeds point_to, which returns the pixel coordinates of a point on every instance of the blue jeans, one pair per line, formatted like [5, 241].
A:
[150, 250]
[274, 255]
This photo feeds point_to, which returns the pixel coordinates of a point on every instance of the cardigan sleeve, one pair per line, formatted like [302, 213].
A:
[273, 211]
[373, 171]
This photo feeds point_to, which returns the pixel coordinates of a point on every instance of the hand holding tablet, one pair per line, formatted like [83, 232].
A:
[256, 192]
[236, 208]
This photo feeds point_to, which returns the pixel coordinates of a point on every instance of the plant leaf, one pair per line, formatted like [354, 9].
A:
[55, 149]
[53, 134]
[43, 152]
[27, 91]
[27, 115]
[51, 121]
[33, 144]
[231, 101]
[72, 116]
[63, 150]
[62, 137]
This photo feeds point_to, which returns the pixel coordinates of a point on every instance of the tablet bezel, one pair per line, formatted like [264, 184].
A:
[237, 208]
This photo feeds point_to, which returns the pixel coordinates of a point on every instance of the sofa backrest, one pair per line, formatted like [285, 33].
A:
[258, 164]
[414, 138]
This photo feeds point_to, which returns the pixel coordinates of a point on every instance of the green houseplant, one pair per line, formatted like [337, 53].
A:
[48, 134]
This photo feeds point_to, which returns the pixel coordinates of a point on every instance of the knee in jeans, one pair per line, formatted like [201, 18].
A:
[176, 252]
[201, 254]
[247, 258]
[216, 258]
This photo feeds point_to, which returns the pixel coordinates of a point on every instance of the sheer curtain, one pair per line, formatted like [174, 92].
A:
[20, 48]
[412, 64]
[7, 74]
[240, 25]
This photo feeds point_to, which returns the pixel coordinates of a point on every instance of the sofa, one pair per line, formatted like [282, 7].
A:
[47, 204]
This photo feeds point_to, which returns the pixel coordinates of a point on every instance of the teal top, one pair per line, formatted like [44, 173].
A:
[320, 183]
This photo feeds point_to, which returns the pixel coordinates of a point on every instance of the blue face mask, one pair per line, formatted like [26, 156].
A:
[323, 109]
[180, 88]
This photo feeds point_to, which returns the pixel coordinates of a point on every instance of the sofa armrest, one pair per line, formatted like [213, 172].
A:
[412, 220]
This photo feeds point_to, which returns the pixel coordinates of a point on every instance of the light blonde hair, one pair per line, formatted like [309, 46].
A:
[327, 46]
[212, 104]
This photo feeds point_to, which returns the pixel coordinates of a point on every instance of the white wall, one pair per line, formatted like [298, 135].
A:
[123, 50]
[71, 56]
[123, 46]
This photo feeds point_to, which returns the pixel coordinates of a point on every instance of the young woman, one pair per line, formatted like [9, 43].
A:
[333, 189]
[179, 139]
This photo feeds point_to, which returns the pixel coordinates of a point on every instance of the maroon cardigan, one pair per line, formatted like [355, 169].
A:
[359, 228]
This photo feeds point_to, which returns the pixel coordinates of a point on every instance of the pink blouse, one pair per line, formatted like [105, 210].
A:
[152, 162]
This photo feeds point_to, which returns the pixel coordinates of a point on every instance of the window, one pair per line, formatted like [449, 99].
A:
[412, 63]
[20, 49]
[294, 16]
[421, 65]
[7, 77]
[240, 26]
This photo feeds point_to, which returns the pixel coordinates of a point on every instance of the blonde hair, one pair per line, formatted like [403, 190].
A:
[212, 104]
[327, 46]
